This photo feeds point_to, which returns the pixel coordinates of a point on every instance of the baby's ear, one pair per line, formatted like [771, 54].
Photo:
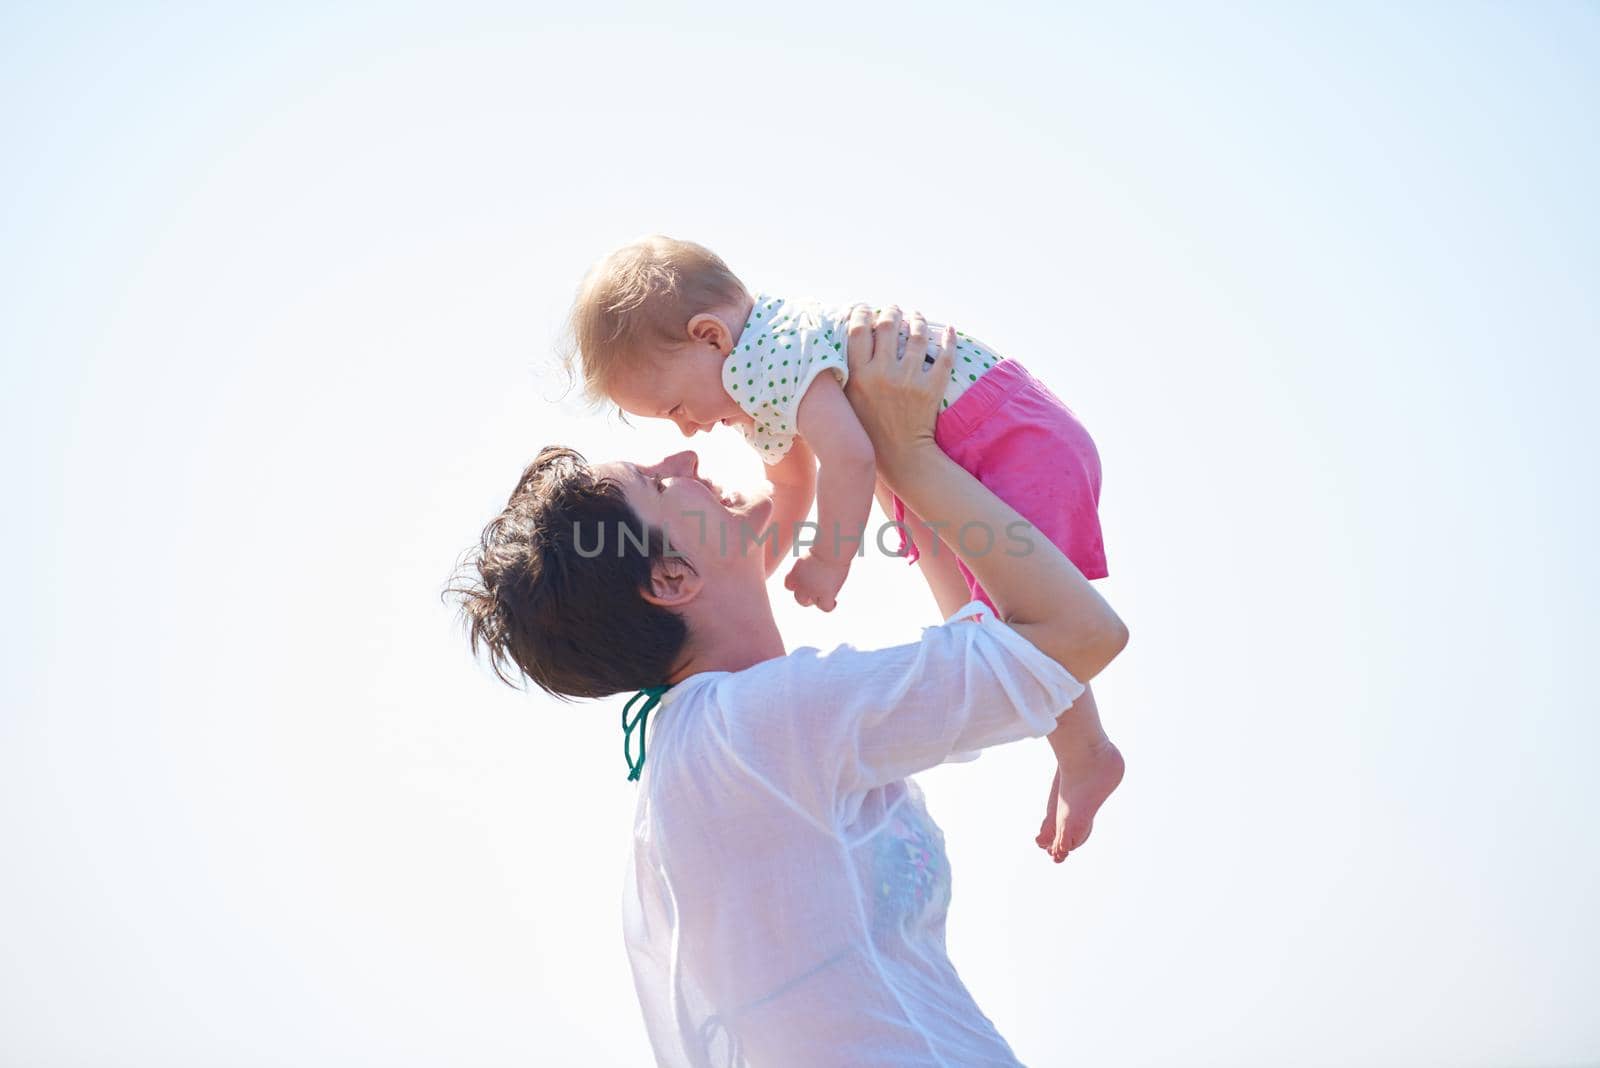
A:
[709, 329]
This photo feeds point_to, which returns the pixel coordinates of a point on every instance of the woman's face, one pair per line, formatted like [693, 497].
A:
[715, 529]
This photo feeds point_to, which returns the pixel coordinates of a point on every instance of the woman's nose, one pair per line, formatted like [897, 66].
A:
[682, 463]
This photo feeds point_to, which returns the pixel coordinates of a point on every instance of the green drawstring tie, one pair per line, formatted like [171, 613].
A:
[652, 695]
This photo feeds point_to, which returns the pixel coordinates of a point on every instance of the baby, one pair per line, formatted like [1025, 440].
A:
[663, 329]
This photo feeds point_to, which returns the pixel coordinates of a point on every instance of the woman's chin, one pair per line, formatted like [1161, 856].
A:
[752, 513]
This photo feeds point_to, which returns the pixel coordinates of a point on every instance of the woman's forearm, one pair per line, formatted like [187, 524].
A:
[1033, 585]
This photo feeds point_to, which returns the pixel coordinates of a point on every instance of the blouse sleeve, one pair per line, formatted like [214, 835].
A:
[821, 727]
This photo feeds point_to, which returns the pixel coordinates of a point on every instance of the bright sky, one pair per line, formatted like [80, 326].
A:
[278, 292]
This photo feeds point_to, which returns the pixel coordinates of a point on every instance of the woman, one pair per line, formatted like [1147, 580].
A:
[788, 891]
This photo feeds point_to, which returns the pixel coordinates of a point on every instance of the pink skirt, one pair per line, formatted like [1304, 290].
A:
[1014, 436]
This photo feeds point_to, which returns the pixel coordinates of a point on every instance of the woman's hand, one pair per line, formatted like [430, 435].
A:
[896, 397]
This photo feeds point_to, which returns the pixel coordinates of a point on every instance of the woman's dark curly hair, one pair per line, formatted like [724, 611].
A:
[572, 622]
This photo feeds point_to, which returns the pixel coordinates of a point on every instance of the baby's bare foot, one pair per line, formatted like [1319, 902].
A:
[1081, 786]
[1047, 829]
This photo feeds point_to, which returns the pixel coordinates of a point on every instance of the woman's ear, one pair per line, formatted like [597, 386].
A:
[673, 583]
[709, 329]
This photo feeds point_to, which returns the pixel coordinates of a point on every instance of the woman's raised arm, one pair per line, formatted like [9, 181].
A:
[1036, 589]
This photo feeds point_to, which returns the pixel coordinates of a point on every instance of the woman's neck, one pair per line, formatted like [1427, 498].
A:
[730, 640]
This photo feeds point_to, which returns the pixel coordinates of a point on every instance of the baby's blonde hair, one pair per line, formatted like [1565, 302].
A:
[642, 293]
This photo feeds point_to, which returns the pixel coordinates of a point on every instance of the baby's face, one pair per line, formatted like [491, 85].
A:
[682, 383]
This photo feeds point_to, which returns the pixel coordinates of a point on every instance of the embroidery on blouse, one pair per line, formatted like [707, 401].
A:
[910, 872]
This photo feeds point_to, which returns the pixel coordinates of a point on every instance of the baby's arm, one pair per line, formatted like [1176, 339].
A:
[844, 491]
[794, 487]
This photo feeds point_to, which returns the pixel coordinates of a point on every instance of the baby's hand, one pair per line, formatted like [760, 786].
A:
[816, 580]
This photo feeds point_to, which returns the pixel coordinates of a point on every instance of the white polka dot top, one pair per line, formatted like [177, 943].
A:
[783, 348]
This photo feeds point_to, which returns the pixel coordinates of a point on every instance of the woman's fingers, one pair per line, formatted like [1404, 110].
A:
[916, 338]
[926, 377]
[944, 356]
[934, 369]
[886, 332]
[858, 340]
[897, 400]
[915, 371]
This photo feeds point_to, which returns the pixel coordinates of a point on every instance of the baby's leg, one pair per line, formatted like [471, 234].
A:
[936, 560]
[1088, 768]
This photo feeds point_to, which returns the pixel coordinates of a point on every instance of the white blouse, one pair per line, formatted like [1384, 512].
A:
[786, 894]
